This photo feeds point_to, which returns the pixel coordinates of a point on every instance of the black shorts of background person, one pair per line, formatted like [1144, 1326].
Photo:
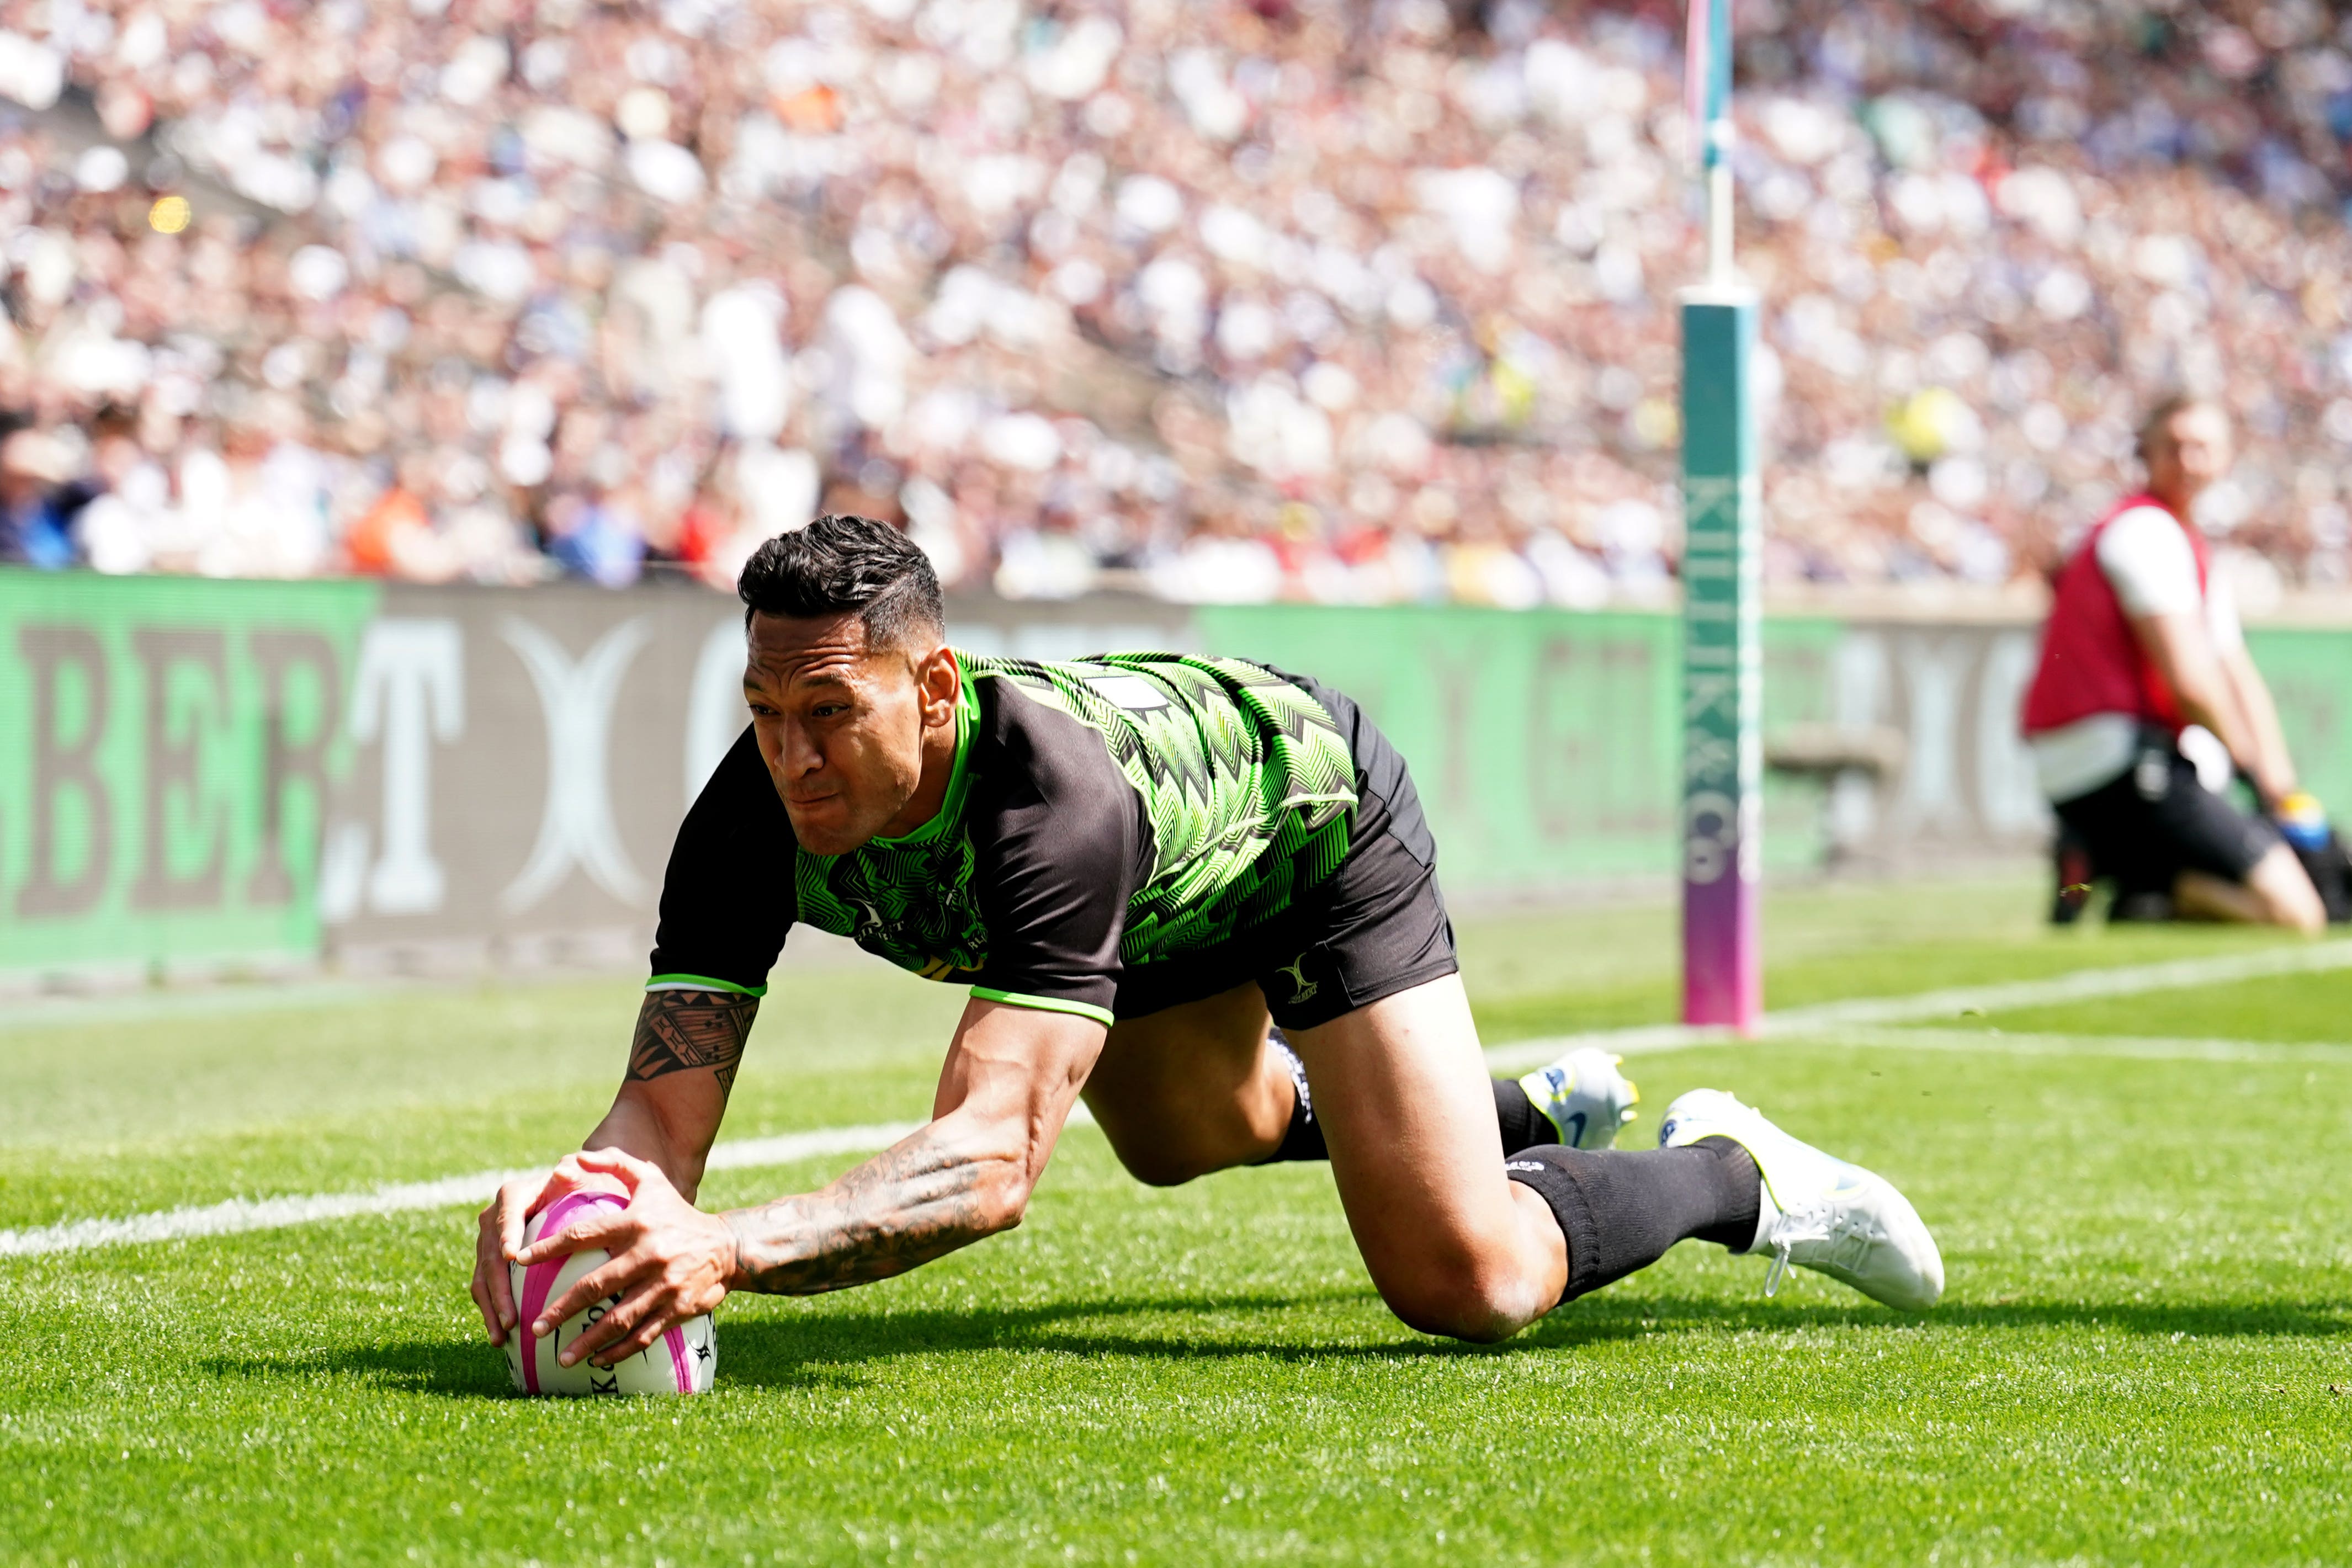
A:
[2151, 823]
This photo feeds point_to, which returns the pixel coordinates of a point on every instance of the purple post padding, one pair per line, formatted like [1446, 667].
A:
[1722, 983]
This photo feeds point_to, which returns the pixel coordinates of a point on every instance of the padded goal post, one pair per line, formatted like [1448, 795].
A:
[1723, 980]
[1722, 662]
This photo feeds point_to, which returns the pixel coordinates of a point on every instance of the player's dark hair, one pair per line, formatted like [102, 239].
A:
[2155, 425]
[838, 565]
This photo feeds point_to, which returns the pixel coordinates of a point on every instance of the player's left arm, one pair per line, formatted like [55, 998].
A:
[1011, 1078]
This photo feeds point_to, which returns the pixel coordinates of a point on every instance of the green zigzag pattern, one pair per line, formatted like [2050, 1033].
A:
[1246, 779]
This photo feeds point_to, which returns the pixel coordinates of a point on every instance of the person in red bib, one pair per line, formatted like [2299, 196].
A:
[2143, 643]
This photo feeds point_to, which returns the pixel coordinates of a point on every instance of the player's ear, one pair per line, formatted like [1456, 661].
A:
[940, 681]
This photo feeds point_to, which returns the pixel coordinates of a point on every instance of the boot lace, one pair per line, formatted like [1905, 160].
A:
[1846, 1234]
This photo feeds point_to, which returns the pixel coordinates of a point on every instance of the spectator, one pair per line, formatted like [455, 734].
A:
[2143, 643]
[35, 503]
[1393, 282]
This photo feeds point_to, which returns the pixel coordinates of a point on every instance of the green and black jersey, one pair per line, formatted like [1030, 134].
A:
[1104, 815]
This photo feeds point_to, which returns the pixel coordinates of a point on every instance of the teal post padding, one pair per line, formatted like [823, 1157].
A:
[1722, 693]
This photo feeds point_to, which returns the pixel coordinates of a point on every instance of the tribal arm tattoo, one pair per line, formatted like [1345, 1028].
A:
[682, 1029]
[905, 1207]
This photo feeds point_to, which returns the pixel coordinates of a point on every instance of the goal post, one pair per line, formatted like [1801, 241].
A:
[1722, 669]
[1722, 691]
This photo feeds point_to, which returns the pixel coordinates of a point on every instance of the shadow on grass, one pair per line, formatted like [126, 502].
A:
[797, 1350]
[2165, 1320]
[814, 1348]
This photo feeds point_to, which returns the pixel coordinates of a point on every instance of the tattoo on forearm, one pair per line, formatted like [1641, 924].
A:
[681, 1030]
[903, 1207]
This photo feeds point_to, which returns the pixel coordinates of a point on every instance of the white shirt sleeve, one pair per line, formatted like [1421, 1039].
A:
[2148, 563]
[2221, 614]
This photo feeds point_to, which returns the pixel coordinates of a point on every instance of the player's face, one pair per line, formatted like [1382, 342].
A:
[2198, 450]
[841, 727]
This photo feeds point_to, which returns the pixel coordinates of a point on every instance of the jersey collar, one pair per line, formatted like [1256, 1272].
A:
[959, 773]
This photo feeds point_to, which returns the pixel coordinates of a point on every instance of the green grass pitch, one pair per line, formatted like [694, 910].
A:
[2145, 1354]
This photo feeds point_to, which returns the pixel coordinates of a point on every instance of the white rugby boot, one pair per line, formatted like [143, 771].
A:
[1819, 1212]
[1585, 1096]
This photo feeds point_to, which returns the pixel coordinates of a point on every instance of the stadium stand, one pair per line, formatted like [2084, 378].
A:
[1354, 303]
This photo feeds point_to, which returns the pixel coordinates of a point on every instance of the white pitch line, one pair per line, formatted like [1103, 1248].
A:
[2133, 1047]
[2075, 986]
[2079, 986]
[242, 1214]
[1848, 1022]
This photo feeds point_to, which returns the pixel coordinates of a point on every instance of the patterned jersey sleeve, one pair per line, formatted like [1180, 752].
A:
[1062, 843]
[727, 899]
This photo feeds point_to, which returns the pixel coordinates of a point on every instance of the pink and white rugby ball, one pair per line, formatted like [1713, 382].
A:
[681, 1362]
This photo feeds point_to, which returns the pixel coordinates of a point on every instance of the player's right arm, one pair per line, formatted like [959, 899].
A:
[681, 1065]
[727, 902]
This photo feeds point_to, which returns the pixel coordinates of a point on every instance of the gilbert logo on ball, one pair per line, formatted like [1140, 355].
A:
[681, 1362]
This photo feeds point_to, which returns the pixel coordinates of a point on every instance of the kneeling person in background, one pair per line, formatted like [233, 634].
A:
[2144, 641]
[1197, 892]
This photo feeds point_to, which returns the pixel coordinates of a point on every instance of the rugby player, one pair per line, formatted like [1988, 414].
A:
[2143, 642]
[1140, 864]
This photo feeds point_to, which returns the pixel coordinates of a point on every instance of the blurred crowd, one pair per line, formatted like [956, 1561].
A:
[1225, 300]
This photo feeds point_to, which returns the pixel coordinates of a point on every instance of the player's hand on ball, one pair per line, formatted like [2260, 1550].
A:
[500, 1234]
[670, 1263]
[498, 1237]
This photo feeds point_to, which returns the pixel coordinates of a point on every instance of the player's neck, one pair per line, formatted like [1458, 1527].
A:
[2176, 499]
[930, 786]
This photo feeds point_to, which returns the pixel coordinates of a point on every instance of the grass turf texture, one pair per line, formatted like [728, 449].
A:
[2137, 1361]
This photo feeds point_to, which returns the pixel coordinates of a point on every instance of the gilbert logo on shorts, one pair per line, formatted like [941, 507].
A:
[1297, 970]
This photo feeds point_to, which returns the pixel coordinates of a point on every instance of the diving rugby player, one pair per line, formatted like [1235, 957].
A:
[1190, 890]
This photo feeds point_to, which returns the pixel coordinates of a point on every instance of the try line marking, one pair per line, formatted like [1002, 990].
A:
[1827, 1019]
[2133, 1047]
[1862, 1021]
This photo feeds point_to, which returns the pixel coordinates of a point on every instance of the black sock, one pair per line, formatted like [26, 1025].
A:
[1523, 1125]
[1303, 1139]
[1620, 1210]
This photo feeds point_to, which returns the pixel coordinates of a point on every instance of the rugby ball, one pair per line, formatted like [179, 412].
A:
[681, 1362]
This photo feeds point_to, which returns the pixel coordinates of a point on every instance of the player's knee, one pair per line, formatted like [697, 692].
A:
[1481, 1305]
[2285, 894]
[1454, 1314]
[2297, 913]
[2305, 915]
[2302, 910]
